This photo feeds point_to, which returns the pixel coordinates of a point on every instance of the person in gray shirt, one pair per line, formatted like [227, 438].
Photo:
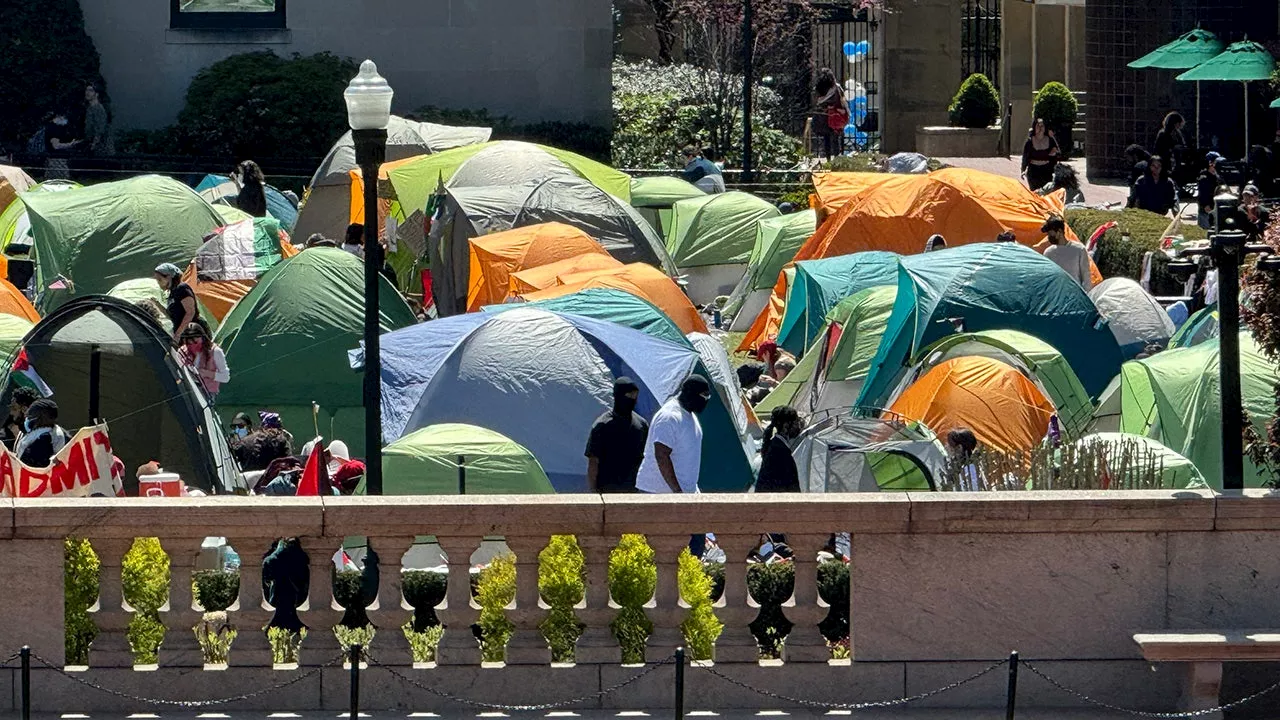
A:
[1068, 254]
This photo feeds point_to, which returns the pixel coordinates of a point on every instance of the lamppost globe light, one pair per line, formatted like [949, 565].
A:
[368, 99]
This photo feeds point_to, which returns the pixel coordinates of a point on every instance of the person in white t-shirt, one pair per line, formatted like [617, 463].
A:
[673, 451]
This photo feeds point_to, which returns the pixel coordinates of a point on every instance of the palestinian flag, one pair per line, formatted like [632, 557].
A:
[239, 251]
[25, 375]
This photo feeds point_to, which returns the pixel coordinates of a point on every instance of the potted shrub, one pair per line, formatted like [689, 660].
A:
[1057, 106]
[972, 130]
[976, 104]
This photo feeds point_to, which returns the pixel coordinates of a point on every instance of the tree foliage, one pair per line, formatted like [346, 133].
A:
[976, 104]
[1261, 314]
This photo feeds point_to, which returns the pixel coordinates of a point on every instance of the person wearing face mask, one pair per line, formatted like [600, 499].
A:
[673, 450]
[616, 444]
[43, 438]
[204, 358]
[241, 426]
[777, 467]
[59, 142]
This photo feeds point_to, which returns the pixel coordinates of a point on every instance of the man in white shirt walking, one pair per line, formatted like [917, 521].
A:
[673, 451]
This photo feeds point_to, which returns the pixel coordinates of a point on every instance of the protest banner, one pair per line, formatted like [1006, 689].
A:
[83, 467]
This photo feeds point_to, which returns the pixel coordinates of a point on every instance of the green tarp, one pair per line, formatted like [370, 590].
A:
[819, 285]
[715, 229]
[427, 462]
[97, 236]
[287, 340]
[617, 306]
[777, 240]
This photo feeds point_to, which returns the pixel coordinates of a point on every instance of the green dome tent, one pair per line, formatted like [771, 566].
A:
[15, 222]
[458, 459]
[12, 330]
[819, 285]
[287, 341]
[710, 239]
[1201, 326]
[147, 290]
[777, 240]
[1173, 397]
[97, 236]
[1176, 472]
[654, 196]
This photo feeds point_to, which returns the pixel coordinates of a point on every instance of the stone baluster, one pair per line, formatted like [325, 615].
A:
[736, 644]
[251, 647]
[669, 613]
[597, 644]
[322, 613]
[458, 646]
[805, 643]
[388, 613]
[527, 646]
[111, 646]
[180, 647]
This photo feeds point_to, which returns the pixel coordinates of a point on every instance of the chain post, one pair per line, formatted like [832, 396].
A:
[355, 681]
[25, 654]
[679, 714]
[1011, 698]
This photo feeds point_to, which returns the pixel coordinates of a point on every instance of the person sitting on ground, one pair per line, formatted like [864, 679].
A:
[182, 299]
[253, 189]
[1068, 254]
[962, 445]
[345, 472]
[1207, 190]
[1137, 158]
[241, 426]
[615, 447]
[271, 421]
[1065, 178]
[320, 240]
[778, 471]
[1155, 191]
[204, 358]
[43, 437]
[701, 172]
[19, 401]
[1007, 236]
[935, 242]
[783, 367]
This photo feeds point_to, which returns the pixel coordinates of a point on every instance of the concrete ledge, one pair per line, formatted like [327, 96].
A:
[1064, 511]
[171, 518]
[958, 142]
[1248, 510]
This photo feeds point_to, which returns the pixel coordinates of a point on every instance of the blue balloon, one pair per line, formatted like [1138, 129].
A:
[860, 137]
[864, 47]
[851, 130]
[850, 48]
[860, 101]
[859, 114]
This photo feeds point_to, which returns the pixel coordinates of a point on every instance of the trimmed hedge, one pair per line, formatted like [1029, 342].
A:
[976, 104]
[1116, 257]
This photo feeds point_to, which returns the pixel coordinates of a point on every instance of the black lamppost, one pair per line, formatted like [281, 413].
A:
[368, 99]
[748, 71]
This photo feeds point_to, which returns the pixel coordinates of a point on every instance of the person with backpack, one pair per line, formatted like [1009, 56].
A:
[834, 107]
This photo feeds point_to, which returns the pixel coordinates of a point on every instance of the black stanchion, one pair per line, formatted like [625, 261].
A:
[355, 681]
[679, 714]
[25, 654]
[1011, 699]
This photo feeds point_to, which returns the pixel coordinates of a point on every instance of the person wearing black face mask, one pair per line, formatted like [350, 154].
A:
[673, 452]
[616, 444]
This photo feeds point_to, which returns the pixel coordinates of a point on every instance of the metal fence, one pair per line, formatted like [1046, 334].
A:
[836, 26]
[980, 40]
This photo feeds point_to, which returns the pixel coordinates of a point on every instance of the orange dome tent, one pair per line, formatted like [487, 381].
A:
[639, 279]
[13, 302]
[548, 276]
[495, 257]
[1003, 408]
[833, 189]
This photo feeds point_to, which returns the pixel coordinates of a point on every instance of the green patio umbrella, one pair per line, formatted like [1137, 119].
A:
[1244, 61]
[1188, 51]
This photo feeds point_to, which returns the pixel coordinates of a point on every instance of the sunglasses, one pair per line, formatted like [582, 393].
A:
[236, 426]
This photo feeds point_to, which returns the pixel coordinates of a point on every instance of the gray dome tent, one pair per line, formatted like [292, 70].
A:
[107, 358]
[867, 450]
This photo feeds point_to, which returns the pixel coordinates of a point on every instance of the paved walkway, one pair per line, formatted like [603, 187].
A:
[1011, 167]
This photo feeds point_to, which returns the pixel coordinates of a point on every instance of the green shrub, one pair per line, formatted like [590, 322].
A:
[633, 576]
[349, 637]
[976, 104]
[562, 584]
[144, 577]
[285, 644]
[80, 591]
[349, 593]
[216, 590]
[700, 626]
[1056, 106]
[797, 195]
[833, 588]
[495, 590]
[423, 644]
[1117, 257]
[771, 585]
[424, 590]
[215, 633]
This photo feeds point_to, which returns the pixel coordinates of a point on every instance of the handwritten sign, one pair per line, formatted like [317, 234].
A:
[81, 468]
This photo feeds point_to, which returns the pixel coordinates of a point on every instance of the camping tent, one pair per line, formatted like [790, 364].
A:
[639, 279]
[1176, 472]
[328, 206]
[222, 190]
[494, 257]
[868, 452]
[831, 190]
[991, 286]
[97, 236]
[710, 239]
[12, 331]
[460, 459]
[548, 276]
[1004, 409]
[287, 340]
[13, 302]
[524, 371]
[15, 222]
[609, 304]
[777, 240]
[725, 379]
[654, 196]
[1173, 397]
[819, 285]
[156, 410]
[1136, 319]
[1201, 326]
[229, 263]
[1040, 362]
[146, 291]
[13, 180]
[472, 212]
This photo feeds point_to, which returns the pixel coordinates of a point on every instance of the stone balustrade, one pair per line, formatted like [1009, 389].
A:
[941, 585]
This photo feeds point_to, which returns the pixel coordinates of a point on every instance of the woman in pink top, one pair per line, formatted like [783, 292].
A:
[204, 358]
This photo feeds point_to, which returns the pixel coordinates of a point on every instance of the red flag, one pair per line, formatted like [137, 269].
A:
[315, 476]
[428, 290]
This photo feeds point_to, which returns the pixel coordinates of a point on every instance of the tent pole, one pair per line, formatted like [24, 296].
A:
[1245, 85]
[462, 474]
[95, 381]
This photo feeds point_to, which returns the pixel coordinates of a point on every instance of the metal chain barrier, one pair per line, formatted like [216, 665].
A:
[188, 703]
[523, 708]
[851, 706]
[11, 658]
[1143, 713]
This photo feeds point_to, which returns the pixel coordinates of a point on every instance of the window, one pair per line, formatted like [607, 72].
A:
[227, 14]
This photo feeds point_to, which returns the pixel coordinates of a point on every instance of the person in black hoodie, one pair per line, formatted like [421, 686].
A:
[777, 467]
[615, 446]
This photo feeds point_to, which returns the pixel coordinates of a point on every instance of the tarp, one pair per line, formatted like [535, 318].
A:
[1176, 472]
[97, 236]
[229, 263]
[819, 285]
[222, 190]
[616, 306]
[715, 229]
[456, 459]
[1136, 319]
[548, 276]
[156, 409]
[654, 196]
[1201, 326]
[854, 453]
[992, 286]
[523, 371]
[1174, 397]
[1002, 407]
[640, 280]
[495, 257]
[286, 343]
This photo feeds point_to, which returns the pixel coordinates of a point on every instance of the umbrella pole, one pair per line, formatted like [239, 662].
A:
[1245, 85]
[1197, 114]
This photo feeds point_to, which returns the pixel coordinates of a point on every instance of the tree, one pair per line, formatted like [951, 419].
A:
[1261, 314]
[46, 59]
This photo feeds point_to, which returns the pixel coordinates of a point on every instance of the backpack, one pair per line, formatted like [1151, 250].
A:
[838, 116]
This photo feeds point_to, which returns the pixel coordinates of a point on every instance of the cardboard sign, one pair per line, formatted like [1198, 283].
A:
[82, 468]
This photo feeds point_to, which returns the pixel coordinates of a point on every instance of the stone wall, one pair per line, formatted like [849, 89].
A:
[921, 68]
